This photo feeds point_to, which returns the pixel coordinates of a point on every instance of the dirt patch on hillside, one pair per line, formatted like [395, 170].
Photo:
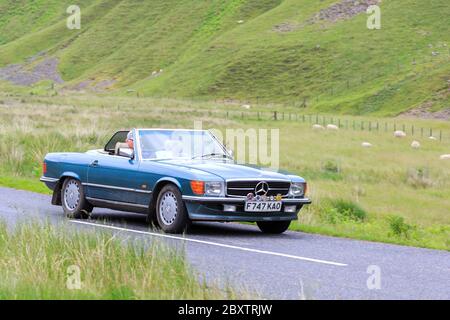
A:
[93, 85]
[285, 27]
[29, 73]
[424, 112]
[343, 10]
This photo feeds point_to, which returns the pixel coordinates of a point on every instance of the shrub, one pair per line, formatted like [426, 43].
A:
[398, 226]
[419, 178]
[344, 210]
[331, 166]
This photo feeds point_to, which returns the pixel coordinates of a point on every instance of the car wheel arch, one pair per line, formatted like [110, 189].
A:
[159, 185]
[56, 199]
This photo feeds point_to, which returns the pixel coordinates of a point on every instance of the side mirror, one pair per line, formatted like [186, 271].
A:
[230, 152]
[126, 152]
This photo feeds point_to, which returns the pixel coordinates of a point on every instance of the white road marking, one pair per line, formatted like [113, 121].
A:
[211, 243]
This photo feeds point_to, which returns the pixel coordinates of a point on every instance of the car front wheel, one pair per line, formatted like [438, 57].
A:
[170, 210]
[73, 200]
[274, 227]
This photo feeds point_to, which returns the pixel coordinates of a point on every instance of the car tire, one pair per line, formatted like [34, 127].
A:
[73, 200]
[171, 212]
[273, 227]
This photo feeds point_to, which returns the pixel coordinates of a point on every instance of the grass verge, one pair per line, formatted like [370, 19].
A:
[38, 261]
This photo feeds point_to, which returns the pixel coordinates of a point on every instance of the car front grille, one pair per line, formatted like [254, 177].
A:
[242, 188]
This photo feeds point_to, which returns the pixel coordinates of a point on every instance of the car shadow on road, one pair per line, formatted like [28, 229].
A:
[139, 222]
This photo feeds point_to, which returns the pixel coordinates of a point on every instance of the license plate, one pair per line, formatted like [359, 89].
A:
[263, 206]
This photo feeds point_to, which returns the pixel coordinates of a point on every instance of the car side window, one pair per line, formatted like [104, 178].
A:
[118, 137]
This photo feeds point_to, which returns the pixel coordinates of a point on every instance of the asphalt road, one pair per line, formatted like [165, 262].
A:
[293, 265]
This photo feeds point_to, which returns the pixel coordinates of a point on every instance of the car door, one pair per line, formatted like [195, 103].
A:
[113, 178]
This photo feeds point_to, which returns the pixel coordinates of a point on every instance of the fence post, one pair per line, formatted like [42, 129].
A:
[275, 115]
[440, 135]
[370, 125]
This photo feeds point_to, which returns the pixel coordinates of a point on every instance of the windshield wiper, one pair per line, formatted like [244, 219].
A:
[222, 155]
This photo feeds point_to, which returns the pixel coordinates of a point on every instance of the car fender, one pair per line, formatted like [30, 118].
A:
[168, 179]
[56, 198]
[70, 175]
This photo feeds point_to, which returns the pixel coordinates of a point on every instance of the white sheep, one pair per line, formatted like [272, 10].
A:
[399, 134]
[415, 144]
[445, 157]
[332, 127]
[432, 138]
[246, 106]
[318, 127]
[366, 145]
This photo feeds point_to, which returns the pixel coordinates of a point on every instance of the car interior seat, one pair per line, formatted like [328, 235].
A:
[120, 145]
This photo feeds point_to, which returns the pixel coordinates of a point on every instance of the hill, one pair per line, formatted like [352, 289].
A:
[317, 54]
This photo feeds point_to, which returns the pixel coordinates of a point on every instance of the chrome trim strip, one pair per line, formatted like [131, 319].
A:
[115, 188]
[118, 202]
[47, 179]
[240, 200]
[259, 179]
[213, 199]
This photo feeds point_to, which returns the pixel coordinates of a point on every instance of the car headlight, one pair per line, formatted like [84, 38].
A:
[298, 189]
[214, 188]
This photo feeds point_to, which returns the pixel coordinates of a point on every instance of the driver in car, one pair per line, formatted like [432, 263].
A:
[129, 143]
[130, 140]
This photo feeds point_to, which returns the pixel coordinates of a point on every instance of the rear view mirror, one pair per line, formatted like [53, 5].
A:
[126, 152]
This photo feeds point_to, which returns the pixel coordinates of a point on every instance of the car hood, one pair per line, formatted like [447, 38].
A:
[230, 170]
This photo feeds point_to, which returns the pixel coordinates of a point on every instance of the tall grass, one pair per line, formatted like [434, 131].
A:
[38, 261]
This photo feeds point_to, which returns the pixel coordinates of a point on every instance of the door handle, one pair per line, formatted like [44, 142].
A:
[94, 163]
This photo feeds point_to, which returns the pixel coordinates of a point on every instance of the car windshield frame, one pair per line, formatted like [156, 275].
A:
[208, 133]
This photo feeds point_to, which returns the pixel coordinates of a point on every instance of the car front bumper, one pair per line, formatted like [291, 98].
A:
[212, 209]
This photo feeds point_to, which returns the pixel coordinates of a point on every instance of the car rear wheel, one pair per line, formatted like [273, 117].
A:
[73, 200]
[170, 210]
[273, 227]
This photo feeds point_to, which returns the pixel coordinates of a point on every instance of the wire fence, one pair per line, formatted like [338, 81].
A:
[342, 123]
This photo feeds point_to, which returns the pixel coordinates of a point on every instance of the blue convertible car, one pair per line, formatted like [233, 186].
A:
[174, 177]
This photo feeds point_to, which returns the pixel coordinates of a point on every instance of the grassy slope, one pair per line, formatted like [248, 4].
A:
[205, 52]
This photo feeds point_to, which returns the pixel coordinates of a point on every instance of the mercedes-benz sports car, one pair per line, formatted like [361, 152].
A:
[174, 177]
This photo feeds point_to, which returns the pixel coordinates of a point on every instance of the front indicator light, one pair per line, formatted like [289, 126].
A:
[198, 187]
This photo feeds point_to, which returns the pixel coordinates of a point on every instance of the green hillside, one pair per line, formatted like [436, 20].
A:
[242, 50]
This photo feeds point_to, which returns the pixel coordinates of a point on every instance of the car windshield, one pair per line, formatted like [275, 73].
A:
[179, 144]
